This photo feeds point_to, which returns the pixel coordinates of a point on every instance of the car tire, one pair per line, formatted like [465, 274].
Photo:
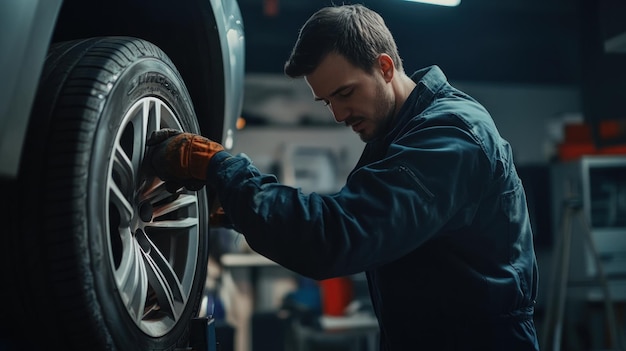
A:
[106, 258]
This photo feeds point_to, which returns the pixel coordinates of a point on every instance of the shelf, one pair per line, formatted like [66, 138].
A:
[246, 260]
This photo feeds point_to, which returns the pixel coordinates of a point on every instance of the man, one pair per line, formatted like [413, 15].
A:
[434, 212]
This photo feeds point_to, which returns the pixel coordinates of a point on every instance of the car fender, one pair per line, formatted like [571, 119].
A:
[28, 27]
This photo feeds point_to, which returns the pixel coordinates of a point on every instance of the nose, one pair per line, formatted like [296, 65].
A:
[341, 113]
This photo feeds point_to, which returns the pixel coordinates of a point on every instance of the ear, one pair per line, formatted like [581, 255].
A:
[387, 67]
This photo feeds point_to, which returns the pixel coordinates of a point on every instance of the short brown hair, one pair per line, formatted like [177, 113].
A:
[353, 31]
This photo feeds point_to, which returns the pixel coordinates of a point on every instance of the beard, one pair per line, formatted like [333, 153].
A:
[384, 111]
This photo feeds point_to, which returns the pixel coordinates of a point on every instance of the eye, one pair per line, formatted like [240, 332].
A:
[346, 92]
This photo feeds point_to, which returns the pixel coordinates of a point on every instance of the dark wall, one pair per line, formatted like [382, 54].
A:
[513, 41]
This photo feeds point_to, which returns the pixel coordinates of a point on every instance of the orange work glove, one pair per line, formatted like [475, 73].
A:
[218, 218]
[180, 158]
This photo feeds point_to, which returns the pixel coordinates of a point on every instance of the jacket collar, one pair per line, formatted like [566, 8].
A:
[430, 80]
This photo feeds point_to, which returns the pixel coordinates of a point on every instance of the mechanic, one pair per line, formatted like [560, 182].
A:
[434, 212]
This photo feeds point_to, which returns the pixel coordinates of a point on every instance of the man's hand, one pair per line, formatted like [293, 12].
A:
[178, 158]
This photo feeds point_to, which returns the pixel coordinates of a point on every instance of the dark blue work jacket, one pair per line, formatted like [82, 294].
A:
[434, 213]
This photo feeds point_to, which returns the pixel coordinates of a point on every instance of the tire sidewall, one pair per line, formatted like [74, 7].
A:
[130, 86]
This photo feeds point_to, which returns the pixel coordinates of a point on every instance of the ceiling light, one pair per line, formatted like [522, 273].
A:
[439, 2]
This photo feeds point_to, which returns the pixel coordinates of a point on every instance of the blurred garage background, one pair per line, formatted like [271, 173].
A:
[551, 72]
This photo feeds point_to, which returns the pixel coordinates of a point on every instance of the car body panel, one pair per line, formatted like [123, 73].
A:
[187, 30]
[233, 52]
[26, 31]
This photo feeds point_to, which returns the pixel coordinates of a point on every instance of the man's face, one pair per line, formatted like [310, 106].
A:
[360, 100]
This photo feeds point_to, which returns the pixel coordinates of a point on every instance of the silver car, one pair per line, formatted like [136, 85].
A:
[97, 255]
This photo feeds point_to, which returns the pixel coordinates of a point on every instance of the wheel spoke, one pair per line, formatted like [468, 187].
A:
[124, 207]
[181, 202]
[150, 121]
[123, 168]
[124, 274]
[177, 223]
[153, 114]
[154, 191]
[132, 280]
[164, 281]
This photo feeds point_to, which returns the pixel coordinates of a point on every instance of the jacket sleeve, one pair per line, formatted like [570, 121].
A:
[386, 209]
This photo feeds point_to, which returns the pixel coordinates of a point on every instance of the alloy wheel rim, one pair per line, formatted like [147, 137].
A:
[152, 234]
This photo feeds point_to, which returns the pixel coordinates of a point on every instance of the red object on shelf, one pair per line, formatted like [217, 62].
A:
[337, 293]
[577, 133]
[578, 141]
[574, 151]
